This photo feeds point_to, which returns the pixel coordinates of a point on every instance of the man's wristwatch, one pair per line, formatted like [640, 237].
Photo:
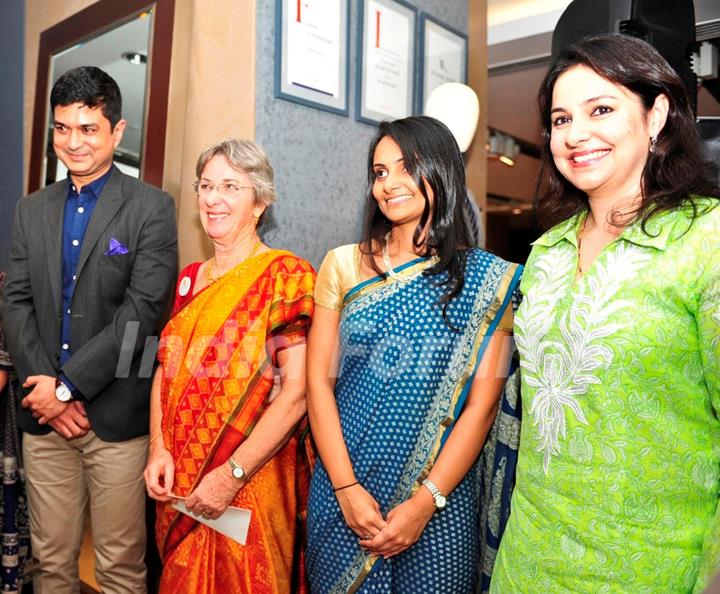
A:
[238, 471]
[439, 499]
[62, 392]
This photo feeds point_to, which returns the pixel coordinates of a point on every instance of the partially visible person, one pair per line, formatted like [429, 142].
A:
[92, 264]
[474, 217]
[16, 557]
[618, 480]
[408, 355]
[228, 403]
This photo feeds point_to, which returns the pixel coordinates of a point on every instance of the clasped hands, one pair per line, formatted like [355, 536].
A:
[390, 536]
[69, 419]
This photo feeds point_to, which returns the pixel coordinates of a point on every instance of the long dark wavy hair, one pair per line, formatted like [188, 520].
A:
[430, 155]
[674, 171]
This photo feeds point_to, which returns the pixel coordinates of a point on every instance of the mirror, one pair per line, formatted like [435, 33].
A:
[131, 41]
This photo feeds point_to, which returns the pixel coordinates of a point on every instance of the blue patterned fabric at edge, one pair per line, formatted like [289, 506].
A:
[497, 475]
[403, 379]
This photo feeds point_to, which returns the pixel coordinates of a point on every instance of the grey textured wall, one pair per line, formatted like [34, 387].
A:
[12, 44]
[319, 157]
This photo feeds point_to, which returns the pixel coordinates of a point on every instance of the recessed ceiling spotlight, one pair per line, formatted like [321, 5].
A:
[135, 57]
[502, 147]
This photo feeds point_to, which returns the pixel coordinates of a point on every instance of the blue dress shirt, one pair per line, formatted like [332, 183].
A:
[78, 210]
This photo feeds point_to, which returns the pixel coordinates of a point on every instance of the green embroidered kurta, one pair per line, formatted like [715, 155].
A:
[618, 477]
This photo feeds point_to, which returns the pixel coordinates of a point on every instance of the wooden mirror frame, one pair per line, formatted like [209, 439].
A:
[86, 24]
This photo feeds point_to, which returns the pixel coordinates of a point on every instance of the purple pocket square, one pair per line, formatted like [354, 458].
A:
[116, 248]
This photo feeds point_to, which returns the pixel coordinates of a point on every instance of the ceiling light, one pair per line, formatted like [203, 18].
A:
[135, 58]
[502, 146]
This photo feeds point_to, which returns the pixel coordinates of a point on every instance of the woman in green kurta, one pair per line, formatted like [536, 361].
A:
[618, 477]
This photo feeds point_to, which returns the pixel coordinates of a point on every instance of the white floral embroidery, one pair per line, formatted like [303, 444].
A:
[711, 307]
[561, 370]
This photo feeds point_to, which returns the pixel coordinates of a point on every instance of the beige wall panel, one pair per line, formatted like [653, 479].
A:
[212, 96]
[477, 79]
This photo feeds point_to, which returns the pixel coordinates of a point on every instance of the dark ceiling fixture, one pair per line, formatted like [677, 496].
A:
[667, 25]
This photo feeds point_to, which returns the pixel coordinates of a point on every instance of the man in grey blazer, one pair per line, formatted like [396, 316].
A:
[92, 265]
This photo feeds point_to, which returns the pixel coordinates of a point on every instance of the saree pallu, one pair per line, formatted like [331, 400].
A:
[218, 353]
[403, 380]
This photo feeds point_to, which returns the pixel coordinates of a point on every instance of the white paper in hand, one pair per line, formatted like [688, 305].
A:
[234, 523]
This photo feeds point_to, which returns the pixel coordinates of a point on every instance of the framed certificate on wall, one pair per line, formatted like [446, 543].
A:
[311, 53]
[386, 50]
[443, 56]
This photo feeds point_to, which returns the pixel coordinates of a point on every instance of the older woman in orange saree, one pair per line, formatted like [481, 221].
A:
[228, 400]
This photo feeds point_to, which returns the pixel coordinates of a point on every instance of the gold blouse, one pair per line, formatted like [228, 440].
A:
[506, 322]
[340, 272]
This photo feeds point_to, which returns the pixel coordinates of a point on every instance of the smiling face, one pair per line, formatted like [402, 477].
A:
[600, 134]
[227, 218]
[84, 141]
[394, 189]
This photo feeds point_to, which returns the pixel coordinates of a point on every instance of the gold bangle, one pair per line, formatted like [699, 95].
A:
[158, 436]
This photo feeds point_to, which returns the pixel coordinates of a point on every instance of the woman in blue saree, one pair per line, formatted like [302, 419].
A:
[407, 358]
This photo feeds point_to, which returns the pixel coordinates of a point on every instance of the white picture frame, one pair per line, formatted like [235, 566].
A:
[311, 53]
[387, 65]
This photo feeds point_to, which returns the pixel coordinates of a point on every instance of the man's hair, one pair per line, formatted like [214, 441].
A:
[91, 87]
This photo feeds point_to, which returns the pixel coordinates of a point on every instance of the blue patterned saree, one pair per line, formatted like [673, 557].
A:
[403, 380]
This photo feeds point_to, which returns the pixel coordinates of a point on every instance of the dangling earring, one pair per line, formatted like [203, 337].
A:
[255, 219]
[653, 142]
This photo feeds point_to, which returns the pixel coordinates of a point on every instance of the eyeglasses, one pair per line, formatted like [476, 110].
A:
[226, 189]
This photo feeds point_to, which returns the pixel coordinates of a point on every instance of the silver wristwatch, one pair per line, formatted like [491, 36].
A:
[238, 471]
[62, 392]
[438, 498]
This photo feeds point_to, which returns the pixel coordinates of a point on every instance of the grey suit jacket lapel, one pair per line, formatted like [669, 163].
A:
[53, 224]
[109, 202]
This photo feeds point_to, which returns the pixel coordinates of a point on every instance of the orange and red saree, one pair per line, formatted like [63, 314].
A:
[218, 353]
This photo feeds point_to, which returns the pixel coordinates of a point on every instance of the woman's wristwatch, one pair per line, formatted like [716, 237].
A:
[238, 471]
[439, 499]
